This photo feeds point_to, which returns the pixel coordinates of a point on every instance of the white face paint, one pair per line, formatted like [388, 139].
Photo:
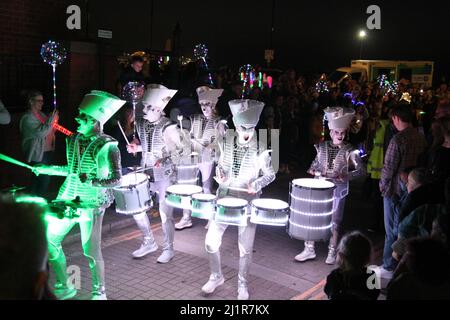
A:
[245, 135]
[207, 108]
[337, 136]
[152, 113]
[86, 124]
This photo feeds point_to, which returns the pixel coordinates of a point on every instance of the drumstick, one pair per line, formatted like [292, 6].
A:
[14, 161]
[120, 127]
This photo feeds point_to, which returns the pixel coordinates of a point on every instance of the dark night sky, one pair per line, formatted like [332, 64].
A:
[312, 36]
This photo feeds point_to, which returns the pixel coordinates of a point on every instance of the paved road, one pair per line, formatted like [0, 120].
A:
[274, 274]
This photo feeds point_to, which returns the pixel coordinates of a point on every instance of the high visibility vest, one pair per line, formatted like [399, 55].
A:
[376, 158]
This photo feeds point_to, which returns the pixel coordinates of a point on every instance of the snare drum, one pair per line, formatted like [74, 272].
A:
[271, 212]
[203, 206]
[179, 195]
[232, 211]
[133, 195]
[311, 209]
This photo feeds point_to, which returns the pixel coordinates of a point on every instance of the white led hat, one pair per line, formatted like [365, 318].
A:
[157, 95]
[100, 105]
[338, 117]
[207, 94]
[246, 112]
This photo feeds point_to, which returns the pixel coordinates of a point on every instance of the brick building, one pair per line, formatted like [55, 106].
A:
[91, 64]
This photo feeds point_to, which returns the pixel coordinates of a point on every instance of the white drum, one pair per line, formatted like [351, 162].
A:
[271, 212]
[133, 195]
[179, 195]
[203, 206]
[232, 211]
[311, 209]
[187, 171]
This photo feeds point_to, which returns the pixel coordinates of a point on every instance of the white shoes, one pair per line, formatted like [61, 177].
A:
[242, 293]
[331, 257]
[212, 284]
[166, 256]
[183, 223]
[100, 296]
[306, 254]
[382, 272]
[146, 247]
[64, 293]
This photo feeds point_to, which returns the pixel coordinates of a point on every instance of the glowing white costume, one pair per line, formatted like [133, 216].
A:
[203, 136]
[242, 171]
[93, 166]
[160, 147]
[338, 162]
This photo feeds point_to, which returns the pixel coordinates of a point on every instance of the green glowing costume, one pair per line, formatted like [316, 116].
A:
[93, 166]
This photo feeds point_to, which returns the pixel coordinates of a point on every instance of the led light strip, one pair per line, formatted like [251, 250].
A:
[187, 181]
[203, 211]
[240, 223]
[324, 214]
[133, 212]
[310, 228]
[313, 201]
[270, 221]
[188, 167]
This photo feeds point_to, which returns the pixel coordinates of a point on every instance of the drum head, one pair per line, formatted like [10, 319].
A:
[184, 189]
[132, 179]
[272, 204]
[204, 196]
[313, 183]
[232, 202]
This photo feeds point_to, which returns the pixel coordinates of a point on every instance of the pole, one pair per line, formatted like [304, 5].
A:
[54, 86]
[361, 48]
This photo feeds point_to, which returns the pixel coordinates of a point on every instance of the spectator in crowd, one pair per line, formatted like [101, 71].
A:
[403, 151]
[38, 139]
[438, 162]
[131, 73]
[289, 134]
[222, 107]
[128, 160]
[5, 117]
[427, 274]
[349, 280]
[419, 222]
[23, 250]
[271, 117]
[419, 192]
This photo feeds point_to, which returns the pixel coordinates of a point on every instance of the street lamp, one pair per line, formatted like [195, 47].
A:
[361, 35]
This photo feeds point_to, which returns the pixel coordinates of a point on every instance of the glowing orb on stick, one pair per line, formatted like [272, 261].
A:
[53, 53]
[200, 51]
[133, 91]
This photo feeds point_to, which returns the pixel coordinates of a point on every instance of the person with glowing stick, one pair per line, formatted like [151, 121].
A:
[204, 134]
[93, 167]
[243, 170]
[159, 145]
[338, 162]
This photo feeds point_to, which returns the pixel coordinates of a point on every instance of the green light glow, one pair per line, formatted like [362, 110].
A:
[31, 199]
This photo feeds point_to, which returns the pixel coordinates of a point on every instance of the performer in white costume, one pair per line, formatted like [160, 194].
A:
[93, 167]
[242, 171]
[338, 162]
[160, 140]
[205, 129]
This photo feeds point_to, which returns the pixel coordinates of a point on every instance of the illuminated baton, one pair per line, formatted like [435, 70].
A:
[123, 132]
[14, 161]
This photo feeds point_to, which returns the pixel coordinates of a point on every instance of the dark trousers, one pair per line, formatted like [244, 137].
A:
[39, 184]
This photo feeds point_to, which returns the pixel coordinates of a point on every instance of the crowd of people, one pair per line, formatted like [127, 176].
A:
[403, 136]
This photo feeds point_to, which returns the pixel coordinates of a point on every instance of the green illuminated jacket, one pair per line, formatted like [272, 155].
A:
[376, 158]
